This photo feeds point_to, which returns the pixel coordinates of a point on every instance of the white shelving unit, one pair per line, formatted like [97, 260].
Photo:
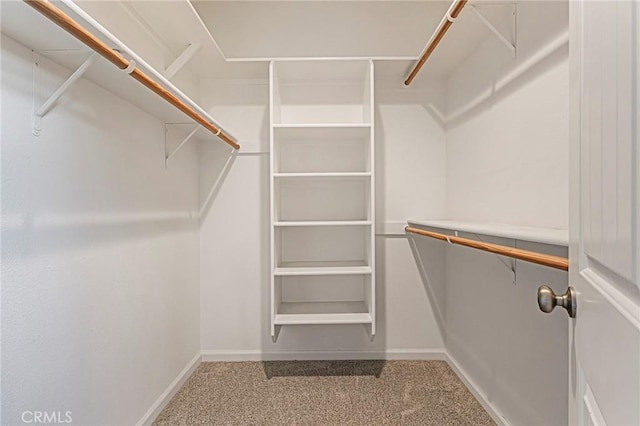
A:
[322, 193]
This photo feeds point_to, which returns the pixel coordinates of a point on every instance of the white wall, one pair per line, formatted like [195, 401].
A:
[507, 162]
[234, 235]
[99, 253]
[517, 355]
[507, 158]
[410, 155]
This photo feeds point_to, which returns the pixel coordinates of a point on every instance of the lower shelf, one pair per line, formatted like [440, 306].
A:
[322, 268]
[306, 313]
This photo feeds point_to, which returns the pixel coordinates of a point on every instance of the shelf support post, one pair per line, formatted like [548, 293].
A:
[48, 104]
[510, 46]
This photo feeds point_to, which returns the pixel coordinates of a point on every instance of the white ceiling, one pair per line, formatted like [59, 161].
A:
[235, 35]
[268, 29]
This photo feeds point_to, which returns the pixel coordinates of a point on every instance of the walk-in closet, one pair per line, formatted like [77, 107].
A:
[379, 212]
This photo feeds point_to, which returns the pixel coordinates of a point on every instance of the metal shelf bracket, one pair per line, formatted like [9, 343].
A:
[511, 265]
[511, 46]
[41, 111]
[168, 154]
[181, 60]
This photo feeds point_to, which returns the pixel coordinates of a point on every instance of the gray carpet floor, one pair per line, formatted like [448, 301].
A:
[324, 393]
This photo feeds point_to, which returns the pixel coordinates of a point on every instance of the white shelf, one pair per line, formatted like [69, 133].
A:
[326, 132]
[559, 237]
[178, 24]
[322, 126]
[292, 223]
[284, 271]
[311, 319]
[308, 313]
[56, 45]
[322, 175]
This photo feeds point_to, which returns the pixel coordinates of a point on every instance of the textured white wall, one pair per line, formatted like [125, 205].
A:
[234, 237]
[410, 155]
[100, 295]
[516, 355]
[507, 162]
[507, 159]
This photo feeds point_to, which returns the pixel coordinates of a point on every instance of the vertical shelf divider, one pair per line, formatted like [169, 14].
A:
[274, 97]
[372, 200]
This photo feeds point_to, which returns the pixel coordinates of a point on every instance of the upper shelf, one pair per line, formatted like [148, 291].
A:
[341, 127]
[28, 27]
[175, 25]
[558, 237]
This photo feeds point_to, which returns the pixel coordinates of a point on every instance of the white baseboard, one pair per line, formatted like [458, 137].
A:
[475, 390]
[169, 392]
[258, 355]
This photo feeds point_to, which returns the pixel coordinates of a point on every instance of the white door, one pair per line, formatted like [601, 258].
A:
[604, 340]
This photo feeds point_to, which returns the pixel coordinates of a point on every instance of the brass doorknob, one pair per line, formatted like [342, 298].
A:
[548, 300]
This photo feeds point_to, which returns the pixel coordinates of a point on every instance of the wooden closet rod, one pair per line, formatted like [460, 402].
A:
[452, 14]
[530, 256]
[65, 22]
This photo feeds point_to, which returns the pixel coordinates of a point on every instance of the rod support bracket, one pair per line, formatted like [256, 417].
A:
[129, 69]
